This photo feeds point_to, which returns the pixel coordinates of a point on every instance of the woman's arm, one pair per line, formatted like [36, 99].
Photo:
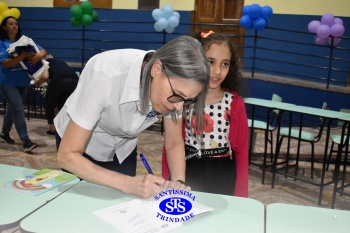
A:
[70, 158]
[12, 61]
[36, 57]
[175, 149]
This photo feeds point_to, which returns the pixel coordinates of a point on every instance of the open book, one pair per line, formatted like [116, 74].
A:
[39, 182]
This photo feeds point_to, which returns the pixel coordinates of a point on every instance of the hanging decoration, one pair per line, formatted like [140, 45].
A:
[166, 19]
[83, 14]
[328, 29]
[255, 16]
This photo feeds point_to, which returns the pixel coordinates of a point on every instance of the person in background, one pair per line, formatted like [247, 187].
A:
[14, 83]
[119, 94]
[217, 160]
[62, 81]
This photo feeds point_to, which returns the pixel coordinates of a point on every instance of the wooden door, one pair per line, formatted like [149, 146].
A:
[222, 13]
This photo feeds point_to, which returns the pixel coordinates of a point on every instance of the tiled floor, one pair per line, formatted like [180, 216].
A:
[150, 143]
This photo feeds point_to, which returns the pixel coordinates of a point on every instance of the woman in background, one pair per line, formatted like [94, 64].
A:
[14, 83]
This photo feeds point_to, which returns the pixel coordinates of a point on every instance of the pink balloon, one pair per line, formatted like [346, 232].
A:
[320, 41]
[337, 30]
[328, 19]
[313, 25]
[338, 20]
[336, 40]
[323, 31]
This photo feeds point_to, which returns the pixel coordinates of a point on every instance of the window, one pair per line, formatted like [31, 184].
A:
[148, 4]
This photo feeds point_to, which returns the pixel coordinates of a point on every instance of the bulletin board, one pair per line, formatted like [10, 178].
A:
[96, 3]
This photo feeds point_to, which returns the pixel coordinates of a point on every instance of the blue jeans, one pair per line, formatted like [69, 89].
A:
[15, 97]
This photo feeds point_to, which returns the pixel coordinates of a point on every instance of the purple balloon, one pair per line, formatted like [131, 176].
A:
[338, 20]
[323, 31]
[320, 41]
[313, 25]
[337, 30]
[328, 19]
[336, 40]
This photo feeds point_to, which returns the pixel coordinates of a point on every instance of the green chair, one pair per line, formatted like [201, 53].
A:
[336, 138]
[268, 129]
[305, 136]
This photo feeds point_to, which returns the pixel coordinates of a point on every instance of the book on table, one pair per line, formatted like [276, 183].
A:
[39, 182]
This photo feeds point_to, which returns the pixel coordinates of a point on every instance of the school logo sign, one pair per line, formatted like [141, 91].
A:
[175, 205]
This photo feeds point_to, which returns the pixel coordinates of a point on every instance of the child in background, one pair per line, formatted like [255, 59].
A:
[217, 160]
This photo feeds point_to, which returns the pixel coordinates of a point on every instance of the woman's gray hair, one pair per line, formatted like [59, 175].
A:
[183, 57]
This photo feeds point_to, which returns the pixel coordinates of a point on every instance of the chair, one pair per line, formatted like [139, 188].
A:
[304, 137]
[268, 130]
[336, 138]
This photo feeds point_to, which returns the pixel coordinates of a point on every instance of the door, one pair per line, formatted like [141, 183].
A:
[222, 13]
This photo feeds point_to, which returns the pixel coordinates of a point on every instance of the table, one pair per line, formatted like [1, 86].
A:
[288, 218]
[72, 212]
[341, 189]
[270, 105]
[16, 205]
[322, 113]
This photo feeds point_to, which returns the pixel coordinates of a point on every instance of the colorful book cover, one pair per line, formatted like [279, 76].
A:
[39, 182]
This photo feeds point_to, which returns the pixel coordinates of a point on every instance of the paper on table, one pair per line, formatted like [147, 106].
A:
[139, 216]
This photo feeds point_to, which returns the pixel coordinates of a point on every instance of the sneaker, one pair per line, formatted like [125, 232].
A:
[51, 132]
[29, 145]
[7, 139]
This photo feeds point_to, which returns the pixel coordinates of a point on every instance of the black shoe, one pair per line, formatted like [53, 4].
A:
[51, 132]
[29, 145]
[7, 139]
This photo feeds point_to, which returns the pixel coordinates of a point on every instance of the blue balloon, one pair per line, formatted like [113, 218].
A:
[157, 27]
[173, 21]
[169, 29]
[266, 12]
[163, 23]
[254, 11]
[168, 11]
[157, 14]
[176, 14]
[259, 23]
[245, 10]
[245, 21]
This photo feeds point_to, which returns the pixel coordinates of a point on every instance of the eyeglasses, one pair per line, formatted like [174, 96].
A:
[175, 98]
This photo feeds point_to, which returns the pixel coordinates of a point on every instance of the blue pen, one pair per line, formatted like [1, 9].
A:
[143, 158]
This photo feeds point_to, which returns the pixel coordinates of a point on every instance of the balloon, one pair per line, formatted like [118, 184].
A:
[86, 7]
[169, 29]
[338, 20]
[337, 30]
[335, 40]
[266, 12]
[173, 21]
[176, 14]
[245, 10]
[75, 22]
[254, 11]
[94, 15]
[3, 7]
[157, 14]
[327, 19]
[6, 13]
[86, 20]
[76, 11]
[259, 23]
[320, 41]
[157, 27]
[167, 11]
[15, 12]
[313, 25]
[323, 31]
[245, 21]
[163, 23]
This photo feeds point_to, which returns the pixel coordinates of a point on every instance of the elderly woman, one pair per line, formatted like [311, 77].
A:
[119, 94]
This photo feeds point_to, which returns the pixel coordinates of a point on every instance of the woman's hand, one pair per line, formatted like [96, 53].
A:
[33, 58]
